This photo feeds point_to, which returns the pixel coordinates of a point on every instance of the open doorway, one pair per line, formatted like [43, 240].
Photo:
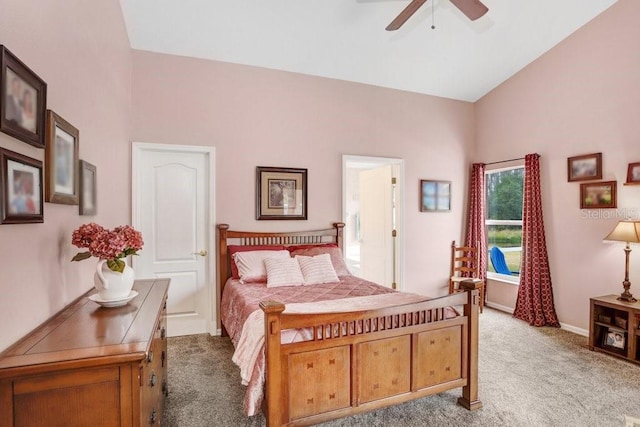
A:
[372, 211]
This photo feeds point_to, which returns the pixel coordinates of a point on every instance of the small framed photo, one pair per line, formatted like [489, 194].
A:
[281, 193]
[88, 189]
[20, 189]
[585, 168]
[598, 195]
[633, 174]
[61, 161]
[23, 100]
[435, 196]
[615, 339]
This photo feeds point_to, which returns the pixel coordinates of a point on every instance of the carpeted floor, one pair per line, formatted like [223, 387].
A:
[528, 377]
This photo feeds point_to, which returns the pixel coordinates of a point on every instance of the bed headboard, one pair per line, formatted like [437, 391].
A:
[244, 238]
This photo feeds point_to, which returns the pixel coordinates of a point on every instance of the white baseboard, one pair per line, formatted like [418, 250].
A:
[564, 326]
[499, 307]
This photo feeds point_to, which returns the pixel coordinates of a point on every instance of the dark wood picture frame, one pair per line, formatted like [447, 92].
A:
[21, 184]
[633, 174]
[88, 189]
[61, 161]
[281, 193]
[435, 196]
[598, 195]
[587, 167]
[23, 100]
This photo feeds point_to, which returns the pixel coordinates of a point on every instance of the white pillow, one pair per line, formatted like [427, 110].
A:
[283, 272]
[251, 264]
[317, 269]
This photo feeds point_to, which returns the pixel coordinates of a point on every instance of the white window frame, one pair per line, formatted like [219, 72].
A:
[514, 280]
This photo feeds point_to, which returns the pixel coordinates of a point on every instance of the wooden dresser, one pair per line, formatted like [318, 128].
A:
[90, 365]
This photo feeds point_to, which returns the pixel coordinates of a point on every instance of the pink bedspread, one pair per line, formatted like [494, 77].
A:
[240, 302]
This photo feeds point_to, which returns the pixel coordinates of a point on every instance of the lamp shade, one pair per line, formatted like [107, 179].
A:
[625, 231]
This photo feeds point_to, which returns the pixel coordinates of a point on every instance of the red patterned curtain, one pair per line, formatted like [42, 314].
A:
[476, 233]
[535, 294]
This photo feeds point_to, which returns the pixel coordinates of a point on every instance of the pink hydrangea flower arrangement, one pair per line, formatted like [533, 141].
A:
[110, 245]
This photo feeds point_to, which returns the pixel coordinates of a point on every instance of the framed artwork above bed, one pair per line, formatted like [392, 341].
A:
[281, 193]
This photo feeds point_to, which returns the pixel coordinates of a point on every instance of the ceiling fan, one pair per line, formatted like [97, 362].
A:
[474, 9]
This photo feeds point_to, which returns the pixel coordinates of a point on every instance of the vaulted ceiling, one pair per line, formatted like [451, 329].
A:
[346, 39]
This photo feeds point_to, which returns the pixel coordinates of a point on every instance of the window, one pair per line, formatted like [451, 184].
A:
[503, 195]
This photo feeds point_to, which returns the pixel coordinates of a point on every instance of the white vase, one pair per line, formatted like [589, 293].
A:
[113, 285]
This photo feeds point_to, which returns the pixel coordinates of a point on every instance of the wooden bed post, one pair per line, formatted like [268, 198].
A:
[339, 234]
[469, 397]
[223, 265]
[275, 400]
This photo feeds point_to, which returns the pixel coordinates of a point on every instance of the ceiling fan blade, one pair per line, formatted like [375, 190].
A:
[405, 14]
[474, 9]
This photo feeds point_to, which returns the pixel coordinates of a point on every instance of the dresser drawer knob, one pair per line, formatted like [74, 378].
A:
[163, 333]
[154, 417]
[163, 357]
[153, 379]
[150, 356]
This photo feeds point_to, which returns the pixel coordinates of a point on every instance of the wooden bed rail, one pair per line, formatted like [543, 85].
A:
[342, 339]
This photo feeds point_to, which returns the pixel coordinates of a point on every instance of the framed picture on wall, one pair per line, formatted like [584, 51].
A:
[61, 161]
[598, 195]
[633, 174]
[88, 189]
[435, 196]
[587, 167]
[22, 100]
[20, 189]
[281, 193]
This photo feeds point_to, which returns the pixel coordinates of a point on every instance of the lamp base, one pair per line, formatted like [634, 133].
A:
[627, 297]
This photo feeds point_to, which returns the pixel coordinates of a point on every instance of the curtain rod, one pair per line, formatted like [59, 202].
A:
[504, 161]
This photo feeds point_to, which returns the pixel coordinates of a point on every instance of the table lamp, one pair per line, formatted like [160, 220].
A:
[629, 232]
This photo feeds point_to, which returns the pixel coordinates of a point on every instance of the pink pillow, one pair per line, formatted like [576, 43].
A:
[334, 252]
[239, 248]
[251, 266]
[317, 269]
[283, 272]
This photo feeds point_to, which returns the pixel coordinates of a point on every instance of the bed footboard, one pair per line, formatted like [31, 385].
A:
[364, 360]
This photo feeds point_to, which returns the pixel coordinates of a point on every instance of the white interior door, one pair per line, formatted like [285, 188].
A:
[376, 226]
[173, 209]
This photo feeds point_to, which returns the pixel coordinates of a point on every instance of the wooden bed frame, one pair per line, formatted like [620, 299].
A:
[363, 360]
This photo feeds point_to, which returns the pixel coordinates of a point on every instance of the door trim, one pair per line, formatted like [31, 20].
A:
[137, 148]
[398, 165]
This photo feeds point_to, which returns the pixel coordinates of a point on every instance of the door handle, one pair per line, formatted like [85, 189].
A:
[201, 253]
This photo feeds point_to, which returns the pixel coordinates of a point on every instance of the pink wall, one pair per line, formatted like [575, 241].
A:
[260, 117]
[82, 51]
[581, 97]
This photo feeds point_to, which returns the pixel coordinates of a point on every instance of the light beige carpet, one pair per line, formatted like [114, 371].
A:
[528, 377]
